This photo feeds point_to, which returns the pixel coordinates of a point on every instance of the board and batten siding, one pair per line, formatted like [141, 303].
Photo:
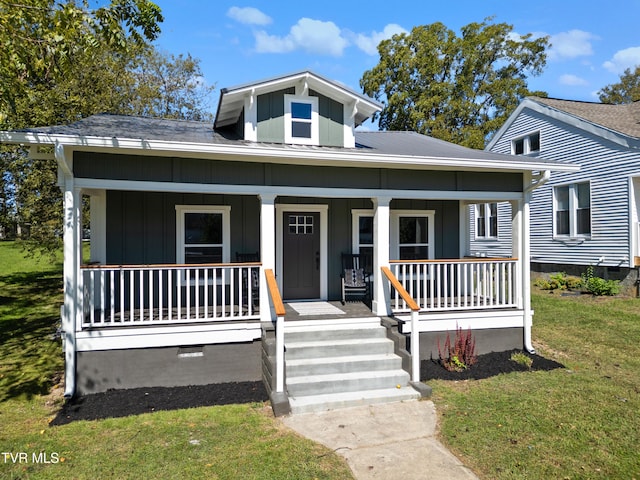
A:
[606, 165]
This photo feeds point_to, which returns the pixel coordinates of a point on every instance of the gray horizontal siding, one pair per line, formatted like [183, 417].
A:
[606, 165]
[500, 247]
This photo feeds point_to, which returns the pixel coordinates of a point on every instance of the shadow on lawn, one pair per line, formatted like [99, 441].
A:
[30, 353]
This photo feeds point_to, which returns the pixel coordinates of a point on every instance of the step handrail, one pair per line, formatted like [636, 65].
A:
[415, 331]
[278, 306]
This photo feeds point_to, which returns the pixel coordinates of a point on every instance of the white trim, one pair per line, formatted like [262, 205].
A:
[289, 120]
[573, 212]
[149, 337]
[356, 213]
[476, 320]
[323, 210]
[394, 249]
[224, 210]
[253, 190]
[486, 235]
[283, 154]
[526, 143]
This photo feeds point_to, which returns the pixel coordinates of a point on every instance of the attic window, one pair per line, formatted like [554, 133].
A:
[526, 145]
[301, 120]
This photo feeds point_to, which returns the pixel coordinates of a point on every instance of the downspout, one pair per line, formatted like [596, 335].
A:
[537, 181]
[70, 270]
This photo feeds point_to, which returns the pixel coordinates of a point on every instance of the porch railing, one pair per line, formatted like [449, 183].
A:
[456, 284]
[134, 295]
[278, 307]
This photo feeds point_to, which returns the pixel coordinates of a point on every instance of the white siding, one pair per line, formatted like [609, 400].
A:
[606, 165]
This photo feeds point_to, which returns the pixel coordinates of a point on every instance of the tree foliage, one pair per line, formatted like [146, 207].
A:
[627, 90]
[61, 62]
[456, 88]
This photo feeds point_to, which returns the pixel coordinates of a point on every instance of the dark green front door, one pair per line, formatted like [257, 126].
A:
[301, 255]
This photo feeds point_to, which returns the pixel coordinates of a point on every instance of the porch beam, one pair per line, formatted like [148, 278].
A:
[312, 192]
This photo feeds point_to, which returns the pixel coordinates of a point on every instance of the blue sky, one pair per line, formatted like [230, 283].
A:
[593, 41]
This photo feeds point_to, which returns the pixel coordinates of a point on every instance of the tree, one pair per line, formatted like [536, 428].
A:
[627, 90]
[459, 89]
[66, 62]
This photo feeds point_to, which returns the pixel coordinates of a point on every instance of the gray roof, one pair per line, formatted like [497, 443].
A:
[623, 118]
[401, 143]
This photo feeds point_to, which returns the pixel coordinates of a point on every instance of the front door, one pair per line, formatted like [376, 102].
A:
[301, 255]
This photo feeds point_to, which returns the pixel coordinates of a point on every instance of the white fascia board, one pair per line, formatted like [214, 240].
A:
[288, 154]
[277, 190]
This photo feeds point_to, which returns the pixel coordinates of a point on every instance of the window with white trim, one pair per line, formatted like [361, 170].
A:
[486, 220]
[301, 121]
[202, 234]
[362, 234]
[572, 210]
[526, 145]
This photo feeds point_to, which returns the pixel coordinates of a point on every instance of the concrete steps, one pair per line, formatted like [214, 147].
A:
[343, 363]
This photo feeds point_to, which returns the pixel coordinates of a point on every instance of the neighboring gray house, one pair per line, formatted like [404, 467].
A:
[189, 219]
[588, 217]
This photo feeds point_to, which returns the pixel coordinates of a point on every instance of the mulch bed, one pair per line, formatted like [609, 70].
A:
[487, 365]
[122, 403]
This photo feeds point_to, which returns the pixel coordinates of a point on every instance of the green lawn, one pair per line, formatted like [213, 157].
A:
[226, 442]
[580, 422]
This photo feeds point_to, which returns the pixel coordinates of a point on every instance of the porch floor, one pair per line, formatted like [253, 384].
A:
[353, 309]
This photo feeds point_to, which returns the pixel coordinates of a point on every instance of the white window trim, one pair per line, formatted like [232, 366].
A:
[225, 210]
[315, 120]
[486, 235]
[395, 215]
[573, 212]
[527, 143]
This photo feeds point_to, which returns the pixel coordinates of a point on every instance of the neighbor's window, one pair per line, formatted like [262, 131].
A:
[572, 209]
[301, 120]
[202, 234]
[526, 145]
[487, 220]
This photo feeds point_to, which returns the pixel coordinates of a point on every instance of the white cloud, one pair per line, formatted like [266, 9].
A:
[249, 16]
[369, 43]
[571, 44]
[312, 36]
[572, 80]
[623, 59]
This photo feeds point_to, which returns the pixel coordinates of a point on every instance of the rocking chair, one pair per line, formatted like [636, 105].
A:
[355, 278]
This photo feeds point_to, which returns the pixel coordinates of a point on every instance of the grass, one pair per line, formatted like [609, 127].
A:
[579, 422]
[225, 442]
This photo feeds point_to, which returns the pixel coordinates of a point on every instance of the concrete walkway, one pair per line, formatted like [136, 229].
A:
[385, 441]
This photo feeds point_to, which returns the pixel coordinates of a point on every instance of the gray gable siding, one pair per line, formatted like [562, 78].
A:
[606, 165]
[187, 170]
[271, 116]
[331, 115]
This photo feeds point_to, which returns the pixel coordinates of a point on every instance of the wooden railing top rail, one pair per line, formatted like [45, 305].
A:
[98, 266]
[274, 293]
[458, 260]
[411, 303]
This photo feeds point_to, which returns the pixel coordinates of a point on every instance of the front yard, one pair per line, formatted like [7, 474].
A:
[579, 422]
[582, 421]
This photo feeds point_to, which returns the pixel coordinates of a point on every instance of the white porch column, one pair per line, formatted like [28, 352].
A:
[381, 292]
[72, 308]
[98, 226]
[267, 249]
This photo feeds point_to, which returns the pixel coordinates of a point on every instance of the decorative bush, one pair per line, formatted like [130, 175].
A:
[559, 281]
[462, 354]
[522, 358]
[599, 286]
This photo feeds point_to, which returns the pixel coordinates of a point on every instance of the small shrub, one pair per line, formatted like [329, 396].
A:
[559, 281]
[461, 355]
[599, 286]
[522, 359]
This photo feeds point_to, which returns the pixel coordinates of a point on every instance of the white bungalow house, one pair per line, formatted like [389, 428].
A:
[190, 220]
[589, 217]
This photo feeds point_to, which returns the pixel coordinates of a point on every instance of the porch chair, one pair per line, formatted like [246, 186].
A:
[355, 277]
[255, 276]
